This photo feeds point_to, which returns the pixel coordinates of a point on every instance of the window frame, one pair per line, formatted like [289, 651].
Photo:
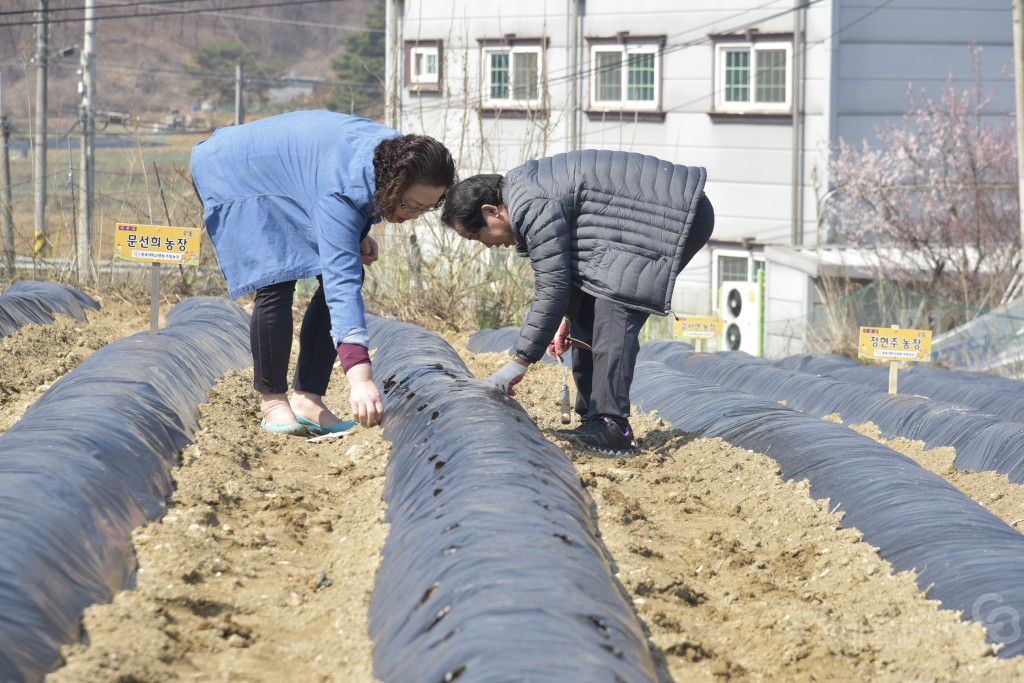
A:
[754, 261]
[417, 82]
[752, 42]
[512, 46]
[624, 108]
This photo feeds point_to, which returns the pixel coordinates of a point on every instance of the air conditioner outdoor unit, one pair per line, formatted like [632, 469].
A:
[740, 304]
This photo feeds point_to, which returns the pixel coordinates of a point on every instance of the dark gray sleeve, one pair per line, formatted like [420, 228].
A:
[551, 257]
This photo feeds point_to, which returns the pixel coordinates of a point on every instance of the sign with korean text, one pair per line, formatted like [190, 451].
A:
[701, 327]
[893, 343]
[157, 244]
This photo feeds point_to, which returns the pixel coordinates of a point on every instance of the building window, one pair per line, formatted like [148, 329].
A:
[733, 266]
[752, 76]
[512, 75]
[625, 75]
[424, 65]
[625, 78]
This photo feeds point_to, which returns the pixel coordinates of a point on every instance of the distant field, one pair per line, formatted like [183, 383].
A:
[140, 177]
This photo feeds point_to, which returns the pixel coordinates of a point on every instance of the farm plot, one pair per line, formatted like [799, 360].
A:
[263, 566]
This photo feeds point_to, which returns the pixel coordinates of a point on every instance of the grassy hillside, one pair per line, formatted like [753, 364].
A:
[145, 64]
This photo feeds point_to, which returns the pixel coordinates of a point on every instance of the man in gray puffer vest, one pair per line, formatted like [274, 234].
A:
[607, 233]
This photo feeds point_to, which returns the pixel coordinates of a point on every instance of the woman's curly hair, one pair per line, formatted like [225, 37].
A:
[402, 161]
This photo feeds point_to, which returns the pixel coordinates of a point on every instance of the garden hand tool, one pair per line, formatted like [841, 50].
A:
[579, 344]
[566, 416]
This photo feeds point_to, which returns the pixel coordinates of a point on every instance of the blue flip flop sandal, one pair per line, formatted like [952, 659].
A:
[292, 428]
[316, 429]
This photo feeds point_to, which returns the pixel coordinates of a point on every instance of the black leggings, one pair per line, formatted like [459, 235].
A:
[270, 335]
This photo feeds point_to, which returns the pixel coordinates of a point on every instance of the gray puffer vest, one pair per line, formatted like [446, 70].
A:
[611, 224]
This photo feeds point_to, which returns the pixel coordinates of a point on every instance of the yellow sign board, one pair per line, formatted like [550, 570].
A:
[893, 343]
[703, 327]
[157, 244]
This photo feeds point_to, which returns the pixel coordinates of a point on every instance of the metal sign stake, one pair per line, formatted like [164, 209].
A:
[154, 301]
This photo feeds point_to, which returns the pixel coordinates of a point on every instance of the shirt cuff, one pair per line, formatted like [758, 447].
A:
[351, 355]
[355, 335]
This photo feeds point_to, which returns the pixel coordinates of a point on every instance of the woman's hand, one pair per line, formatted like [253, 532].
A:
[560, 344]
[509, 376]
[368, 250]
[364, 395]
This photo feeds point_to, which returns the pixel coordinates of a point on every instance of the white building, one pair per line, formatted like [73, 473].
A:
[756, 91]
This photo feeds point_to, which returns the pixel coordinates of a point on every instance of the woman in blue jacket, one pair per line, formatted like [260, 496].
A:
[294, 196]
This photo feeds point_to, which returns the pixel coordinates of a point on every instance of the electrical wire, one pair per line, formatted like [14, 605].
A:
[286, 3]
[551, 81]
[567, 74]
[701, 98]
[704, 40]
[5, 13]
[560, 76]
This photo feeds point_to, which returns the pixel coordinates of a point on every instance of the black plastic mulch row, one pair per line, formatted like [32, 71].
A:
[982, 441]
[963, 555]
[36, 302]
[492, 569]
[89, 462]
[986, 393]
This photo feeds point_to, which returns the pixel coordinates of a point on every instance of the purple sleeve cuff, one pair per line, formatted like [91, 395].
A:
[351, 355]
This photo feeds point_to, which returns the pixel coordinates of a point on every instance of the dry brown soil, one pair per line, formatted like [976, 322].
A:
[262, 567]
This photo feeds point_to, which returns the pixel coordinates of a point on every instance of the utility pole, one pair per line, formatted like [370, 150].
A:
[392, 55]
[40, 246]
[86, 177]
[5, 186]
[1018, 60]
[575, 19]
[5, 200]
[796, 236]
[239, 101]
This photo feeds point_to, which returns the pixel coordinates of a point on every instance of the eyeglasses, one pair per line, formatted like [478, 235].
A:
[401, 202]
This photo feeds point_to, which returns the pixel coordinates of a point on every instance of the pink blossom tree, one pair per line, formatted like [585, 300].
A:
[936, 197]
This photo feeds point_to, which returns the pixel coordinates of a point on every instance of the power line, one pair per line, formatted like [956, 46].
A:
[283, 81]
[212, 12]
[704, 40]
[263, 79]
[6, 13]
[295, 22]
[181, 12]
[806, 46]
[567, 74]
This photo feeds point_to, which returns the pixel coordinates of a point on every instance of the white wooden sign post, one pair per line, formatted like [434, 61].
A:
[156, 244]
[893, 345]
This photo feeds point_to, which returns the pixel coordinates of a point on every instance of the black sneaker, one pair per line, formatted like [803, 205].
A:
[571, 432]
[606, 436]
